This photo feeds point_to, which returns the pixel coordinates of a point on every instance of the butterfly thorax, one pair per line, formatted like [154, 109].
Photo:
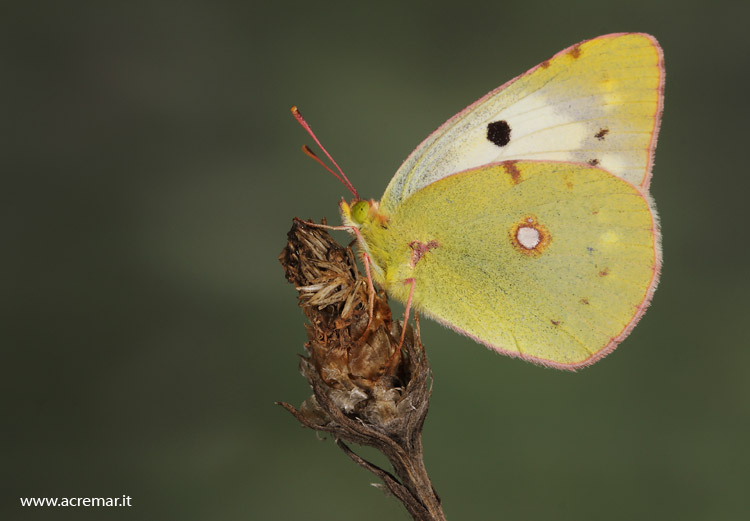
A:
[371, 229]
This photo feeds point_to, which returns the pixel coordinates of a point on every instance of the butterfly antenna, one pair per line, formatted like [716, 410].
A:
[311, 154]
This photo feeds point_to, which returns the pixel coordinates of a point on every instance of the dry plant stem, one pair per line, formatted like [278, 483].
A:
[365, 391]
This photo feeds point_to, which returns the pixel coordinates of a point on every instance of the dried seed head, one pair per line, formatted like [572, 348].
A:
[365, 389]
[359, 368]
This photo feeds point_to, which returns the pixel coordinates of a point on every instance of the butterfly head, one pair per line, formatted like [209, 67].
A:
[359, 212]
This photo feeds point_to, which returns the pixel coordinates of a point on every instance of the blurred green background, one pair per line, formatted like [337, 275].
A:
[151, 172]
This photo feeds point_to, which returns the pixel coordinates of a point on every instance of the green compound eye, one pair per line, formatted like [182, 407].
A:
[360, 210]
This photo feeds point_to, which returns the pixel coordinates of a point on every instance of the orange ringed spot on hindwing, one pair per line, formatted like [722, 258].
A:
[529, 236]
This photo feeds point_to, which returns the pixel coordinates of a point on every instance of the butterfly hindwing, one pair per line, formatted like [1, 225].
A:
[550, 261]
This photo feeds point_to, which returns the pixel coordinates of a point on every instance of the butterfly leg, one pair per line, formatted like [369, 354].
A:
[406, 312]
[370, 286]
[366, 261]
[396, 356]
[327, 226]
[370, 289]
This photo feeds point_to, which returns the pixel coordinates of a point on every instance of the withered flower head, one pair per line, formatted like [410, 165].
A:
[365, 389]
[357, 364]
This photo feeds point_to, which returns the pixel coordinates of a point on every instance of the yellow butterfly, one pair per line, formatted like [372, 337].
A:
[524, 221]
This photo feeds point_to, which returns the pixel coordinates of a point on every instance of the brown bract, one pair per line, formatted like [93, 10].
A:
[365, 390]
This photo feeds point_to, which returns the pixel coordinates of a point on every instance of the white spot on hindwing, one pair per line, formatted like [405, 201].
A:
[528, 237]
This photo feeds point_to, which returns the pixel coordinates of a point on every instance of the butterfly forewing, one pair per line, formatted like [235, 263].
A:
[598, 102]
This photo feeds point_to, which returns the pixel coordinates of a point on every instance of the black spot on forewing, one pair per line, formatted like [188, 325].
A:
[602, 132]
[498, 132]
[593, 162]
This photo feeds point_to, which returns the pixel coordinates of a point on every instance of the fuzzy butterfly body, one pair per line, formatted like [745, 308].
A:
[525, 221]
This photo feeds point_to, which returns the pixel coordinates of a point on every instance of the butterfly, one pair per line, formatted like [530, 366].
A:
[525, 220]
